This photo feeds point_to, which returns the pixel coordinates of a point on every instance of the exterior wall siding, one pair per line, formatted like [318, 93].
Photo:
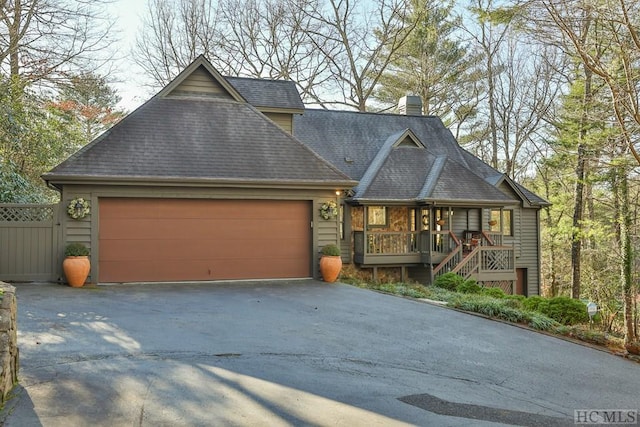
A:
[77, 230]
[284, 120]
[530, 257]
[201, 82]
[86, 230]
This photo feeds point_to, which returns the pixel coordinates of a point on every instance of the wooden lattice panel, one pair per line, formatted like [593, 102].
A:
[505, 285]
[26, 213]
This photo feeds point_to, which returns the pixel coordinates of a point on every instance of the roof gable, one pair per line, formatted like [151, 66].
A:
[359, 145]
[351, 140]
[201, 79]
[408, 139]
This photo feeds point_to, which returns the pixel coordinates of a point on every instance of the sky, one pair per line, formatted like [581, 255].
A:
[128, 14]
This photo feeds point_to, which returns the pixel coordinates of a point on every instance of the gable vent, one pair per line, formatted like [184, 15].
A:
[410, 105]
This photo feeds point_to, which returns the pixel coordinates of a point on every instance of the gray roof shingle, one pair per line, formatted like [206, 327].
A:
[278, 94]
[354, 142]
[198, 139]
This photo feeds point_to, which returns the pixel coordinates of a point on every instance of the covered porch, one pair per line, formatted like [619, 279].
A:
[438, 239]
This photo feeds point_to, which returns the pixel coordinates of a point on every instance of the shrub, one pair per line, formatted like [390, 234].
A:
[532, 302]
[541, 322]
[564, 310]
[490, 307]
[514, 301]
[76, 249]
[331, 250]
[448, 281]
[469, 287]
[494, 292]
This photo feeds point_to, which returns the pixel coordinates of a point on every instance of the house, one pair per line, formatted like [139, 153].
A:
[219, 178]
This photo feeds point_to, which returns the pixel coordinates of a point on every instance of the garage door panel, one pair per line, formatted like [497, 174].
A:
[147, 250]
[189, 229]
[176, 239]
[153, 271]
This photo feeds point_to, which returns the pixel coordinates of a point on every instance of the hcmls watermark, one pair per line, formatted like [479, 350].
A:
[607, 416]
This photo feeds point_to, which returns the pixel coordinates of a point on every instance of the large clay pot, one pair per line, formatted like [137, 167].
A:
[330, 267]
[76, 269]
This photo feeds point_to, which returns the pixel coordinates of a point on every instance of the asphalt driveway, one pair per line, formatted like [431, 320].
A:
[292, 353]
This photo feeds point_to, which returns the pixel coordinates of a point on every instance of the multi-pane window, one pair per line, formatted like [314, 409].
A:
[501, 221]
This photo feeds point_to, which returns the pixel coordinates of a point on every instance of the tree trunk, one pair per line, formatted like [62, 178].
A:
[578, 206]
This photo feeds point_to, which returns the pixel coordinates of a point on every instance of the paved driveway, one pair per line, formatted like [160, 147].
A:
[292, 353]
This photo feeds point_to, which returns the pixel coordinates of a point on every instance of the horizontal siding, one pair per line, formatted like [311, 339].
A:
[529, 258]
[200, 81]
[284, 120]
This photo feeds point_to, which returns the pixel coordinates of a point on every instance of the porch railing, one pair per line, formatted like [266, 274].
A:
[414, 247]
[487, 260]
[387, 247]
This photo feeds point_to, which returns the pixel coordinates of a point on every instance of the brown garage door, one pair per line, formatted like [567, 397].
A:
[149, 240]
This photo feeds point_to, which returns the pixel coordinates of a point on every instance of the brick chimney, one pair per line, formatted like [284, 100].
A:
[410, 105]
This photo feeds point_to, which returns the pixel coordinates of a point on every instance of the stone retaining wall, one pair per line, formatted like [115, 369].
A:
[8, 340]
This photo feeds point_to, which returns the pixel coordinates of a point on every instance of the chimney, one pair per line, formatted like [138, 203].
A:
[410, 105]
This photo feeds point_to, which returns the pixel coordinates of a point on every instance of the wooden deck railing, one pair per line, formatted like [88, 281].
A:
[486, 260]
[410, 247]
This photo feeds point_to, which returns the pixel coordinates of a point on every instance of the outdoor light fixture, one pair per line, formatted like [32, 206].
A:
[79, 208]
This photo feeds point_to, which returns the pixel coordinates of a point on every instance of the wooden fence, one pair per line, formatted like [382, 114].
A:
[29, 242]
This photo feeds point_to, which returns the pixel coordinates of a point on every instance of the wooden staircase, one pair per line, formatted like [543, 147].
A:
[488, 263]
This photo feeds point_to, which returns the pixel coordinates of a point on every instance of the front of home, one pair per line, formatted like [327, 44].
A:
[219, 178]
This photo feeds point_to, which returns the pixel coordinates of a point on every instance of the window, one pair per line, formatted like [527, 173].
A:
[507, 223]
[501, 221]
[377, 216]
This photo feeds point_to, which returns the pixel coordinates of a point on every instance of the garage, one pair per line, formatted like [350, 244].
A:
[160, 240]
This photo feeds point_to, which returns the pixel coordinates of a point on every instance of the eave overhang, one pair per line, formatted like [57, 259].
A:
[60, 180]
[439, 202]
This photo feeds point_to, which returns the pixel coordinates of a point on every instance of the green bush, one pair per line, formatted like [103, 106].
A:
[76, 249]
[564, 310]
[514, 301]
[489, 307]
[532, 302]
[448, 281]
[494, 292]
[541, 322]
[469, 287]
[331, 250]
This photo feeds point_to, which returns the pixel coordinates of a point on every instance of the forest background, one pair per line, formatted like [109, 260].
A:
[546, 91]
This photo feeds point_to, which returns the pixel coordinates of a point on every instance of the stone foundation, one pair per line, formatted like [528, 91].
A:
[8, 340]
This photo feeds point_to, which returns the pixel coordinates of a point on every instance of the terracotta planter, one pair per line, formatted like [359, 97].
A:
[330, 267]
[76, 269]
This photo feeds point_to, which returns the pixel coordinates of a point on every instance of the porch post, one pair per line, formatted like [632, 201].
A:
[365, 239]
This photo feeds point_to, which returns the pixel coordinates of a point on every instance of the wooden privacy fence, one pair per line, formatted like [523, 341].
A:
[29, 242]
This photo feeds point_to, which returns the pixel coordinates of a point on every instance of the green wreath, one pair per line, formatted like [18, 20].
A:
[329, 210]
[78, 208]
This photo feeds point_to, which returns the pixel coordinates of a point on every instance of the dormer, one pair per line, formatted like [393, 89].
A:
[279, 100]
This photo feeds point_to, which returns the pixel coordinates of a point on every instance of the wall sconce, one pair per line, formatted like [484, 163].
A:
[79, 208]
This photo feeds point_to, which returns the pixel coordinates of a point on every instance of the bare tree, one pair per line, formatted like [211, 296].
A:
[358, 43]
[174, 34]
[254, 38]
[618, 23]
[269, 38]
[41, 40]
[520, 88]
